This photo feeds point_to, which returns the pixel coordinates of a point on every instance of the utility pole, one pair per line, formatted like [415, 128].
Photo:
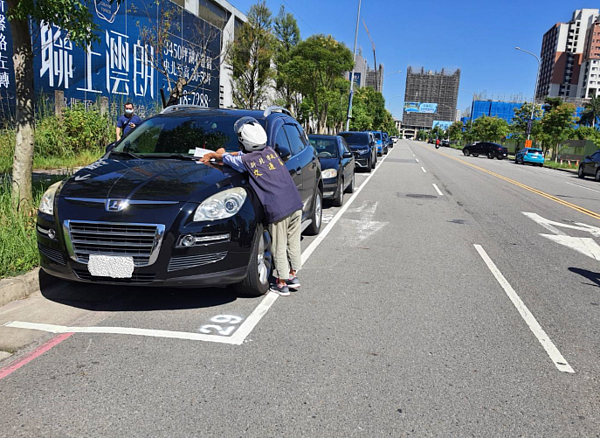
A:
[537, 78]
[353, 66]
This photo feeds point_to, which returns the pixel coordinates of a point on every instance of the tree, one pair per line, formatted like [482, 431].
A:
[362, 120]
[422, 135]
[74, 17]
[437, 132]
[591, 112]
[455, 131]
[490, 129]
[557, 125]
[551, 103]
[287, 35]
[520, 121]
[316, 64]
[250, 58]
[184, 74]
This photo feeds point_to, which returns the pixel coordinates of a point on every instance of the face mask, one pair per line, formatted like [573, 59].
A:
[128, 112]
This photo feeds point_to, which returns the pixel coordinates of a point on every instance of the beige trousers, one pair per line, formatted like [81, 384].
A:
[286, 245]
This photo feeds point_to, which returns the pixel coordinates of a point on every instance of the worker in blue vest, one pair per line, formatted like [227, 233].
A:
[277, 192]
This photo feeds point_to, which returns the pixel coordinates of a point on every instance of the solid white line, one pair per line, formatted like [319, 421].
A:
[536, 328]
[315, 243]
[423, 169]
[437, 189]
[253, 319]
[583, 187]
[51, 328]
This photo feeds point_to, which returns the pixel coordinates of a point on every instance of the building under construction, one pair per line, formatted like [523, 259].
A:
[430, 96]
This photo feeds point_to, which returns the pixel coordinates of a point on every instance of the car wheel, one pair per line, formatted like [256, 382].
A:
[260, 267]
[370, 166]
[580, 172]
[350, 188]
[490, 155]
[339, 197]
[598, 175]
[466, 152]
[475, 155]
[317, 215]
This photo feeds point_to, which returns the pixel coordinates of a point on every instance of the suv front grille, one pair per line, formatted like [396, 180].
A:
[136, 278]
[140, 241]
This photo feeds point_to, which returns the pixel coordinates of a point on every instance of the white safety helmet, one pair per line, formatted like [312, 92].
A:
[251, 134]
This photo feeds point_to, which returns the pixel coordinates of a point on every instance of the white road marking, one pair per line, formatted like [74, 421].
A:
[417, 160]
[437, 189]
[584, 245]
[583, 187]
[244, 329]
[555, 355]
[551, 225]
[423, 169]
[366, 226]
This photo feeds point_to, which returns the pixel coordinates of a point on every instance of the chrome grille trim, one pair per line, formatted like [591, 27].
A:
[195, 261]
[140, 241]
[129, 201]
[136, 278]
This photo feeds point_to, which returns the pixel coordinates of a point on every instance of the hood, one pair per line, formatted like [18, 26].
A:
[159, 180]
[329, 163]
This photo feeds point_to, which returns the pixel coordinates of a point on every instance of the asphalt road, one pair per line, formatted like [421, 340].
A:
[431, 305]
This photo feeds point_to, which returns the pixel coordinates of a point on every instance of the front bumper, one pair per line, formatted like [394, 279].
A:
[330, 186]
[361, 161]
[220, 263]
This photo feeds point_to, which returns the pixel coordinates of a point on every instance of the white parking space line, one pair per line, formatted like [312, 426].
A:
[423, 169]
[437, 189]
[245, 328]
[555, 355]
[583, 187]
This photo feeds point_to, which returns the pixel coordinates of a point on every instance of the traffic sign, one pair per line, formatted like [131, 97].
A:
[528, 143]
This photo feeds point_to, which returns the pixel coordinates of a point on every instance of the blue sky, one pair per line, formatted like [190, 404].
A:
[477, 36]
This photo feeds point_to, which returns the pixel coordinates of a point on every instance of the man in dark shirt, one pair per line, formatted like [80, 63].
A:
[277, 192]
[127, 122]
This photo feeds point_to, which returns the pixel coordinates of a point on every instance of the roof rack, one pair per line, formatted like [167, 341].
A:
[174, 108]
[276, 109]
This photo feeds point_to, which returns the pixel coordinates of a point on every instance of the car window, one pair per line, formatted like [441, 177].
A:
[296, 142]
[345, 147]
[325, 147]
[596, 156]
[356, 138]
[282, 140]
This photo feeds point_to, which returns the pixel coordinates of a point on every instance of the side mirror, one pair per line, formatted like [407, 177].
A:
[283, 151]
[347, 155]
[111, 146]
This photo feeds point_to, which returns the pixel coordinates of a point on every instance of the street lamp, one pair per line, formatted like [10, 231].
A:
[353, 67]
[537, 77]
[393, 73]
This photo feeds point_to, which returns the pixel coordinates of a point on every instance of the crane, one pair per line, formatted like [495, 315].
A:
[374, 58]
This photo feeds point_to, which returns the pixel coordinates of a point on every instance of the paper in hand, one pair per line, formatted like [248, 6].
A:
[200, 152]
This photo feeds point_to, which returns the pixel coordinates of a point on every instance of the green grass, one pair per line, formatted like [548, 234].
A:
[554, 165]
[18, 248]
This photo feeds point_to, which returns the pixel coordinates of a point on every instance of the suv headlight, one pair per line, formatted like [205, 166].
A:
[329, 173]
[47, 202]
[221, 205]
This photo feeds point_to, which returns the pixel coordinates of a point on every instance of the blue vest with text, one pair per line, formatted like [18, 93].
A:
[272, 183]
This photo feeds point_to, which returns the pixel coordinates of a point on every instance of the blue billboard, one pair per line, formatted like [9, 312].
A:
[442, 124]
[421, 108]
[123, 65]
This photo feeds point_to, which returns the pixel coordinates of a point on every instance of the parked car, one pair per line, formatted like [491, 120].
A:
[530, 155]
[363, 146]
[590, 166]
[147, 213]
[445, 143]
[387, 143]
[379, 142]
[337, 166]
[490, 150]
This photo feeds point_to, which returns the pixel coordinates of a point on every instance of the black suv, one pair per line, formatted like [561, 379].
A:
[149, 213]
[490, 150]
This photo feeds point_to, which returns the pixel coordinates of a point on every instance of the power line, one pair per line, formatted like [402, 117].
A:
[298, 15]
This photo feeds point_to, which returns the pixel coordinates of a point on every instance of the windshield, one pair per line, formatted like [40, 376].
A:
[377, 135]
[181, 135]
[356, 138]
[325, 147]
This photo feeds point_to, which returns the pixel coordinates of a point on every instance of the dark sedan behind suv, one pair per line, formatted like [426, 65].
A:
[148, 213]
[490, 150]
[337, 166]
[363, 147]
[590, 166]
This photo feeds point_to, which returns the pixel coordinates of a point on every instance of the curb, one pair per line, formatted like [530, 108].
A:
[573, 171]
[18, 288]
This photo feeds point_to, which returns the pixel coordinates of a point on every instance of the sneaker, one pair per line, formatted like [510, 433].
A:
[293, 284]
[280, 290]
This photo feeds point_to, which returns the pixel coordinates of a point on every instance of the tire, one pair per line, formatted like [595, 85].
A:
[351, 186]
[260, 267]
[500, 158]
[316, 215]
[597, 175]
[370, 166]
[580, 172]
[475, 155]
[466, 152]
[338, 201]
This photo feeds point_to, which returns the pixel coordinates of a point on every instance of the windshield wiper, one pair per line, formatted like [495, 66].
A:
[179, 157]
[125, 154]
